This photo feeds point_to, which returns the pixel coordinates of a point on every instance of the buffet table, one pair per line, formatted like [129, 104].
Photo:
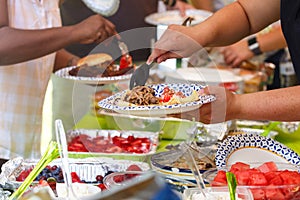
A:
[90, 121]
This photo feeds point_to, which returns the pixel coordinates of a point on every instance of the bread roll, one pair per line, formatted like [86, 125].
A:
[95, 59]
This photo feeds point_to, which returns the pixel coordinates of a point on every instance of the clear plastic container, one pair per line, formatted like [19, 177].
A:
[216, 193]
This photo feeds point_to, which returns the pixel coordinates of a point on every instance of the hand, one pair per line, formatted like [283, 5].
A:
[182, 7]
[94, 29]
[235, 54]
[176, 42]
[221, 110]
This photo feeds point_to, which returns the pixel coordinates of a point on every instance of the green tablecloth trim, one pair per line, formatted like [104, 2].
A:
[90, 121]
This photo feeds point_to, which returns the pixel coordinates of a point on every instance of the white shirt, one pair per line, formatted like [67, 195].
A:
[23, 85]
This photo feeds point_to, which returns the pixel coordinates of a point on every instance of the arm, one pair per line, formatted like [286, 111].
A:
[239, 52]
[274, 105]
[63, 59]
[20, 45]
[278, 105]
[226, 26]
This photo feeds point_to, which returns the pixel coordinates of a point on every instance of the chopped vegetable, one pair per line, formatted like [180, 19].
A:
[231, 180]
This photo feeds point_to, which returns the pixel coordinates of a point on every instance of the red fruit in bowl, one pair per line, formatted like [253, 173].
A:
[23, 175]
[133, 167]
[119, 178]
[75, 177]
[268, 167]
[239, 166]
[99, 178]
[102, 186]
[220, 179]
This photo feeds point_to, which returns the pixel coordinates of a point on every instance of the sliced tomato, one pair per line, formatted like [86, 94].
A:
[268, 167]
[166, 90]
[166, 98]
[125, 61]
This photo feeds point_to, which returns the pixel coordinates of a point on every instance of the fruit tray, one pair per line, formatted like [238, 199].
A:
[130, 145]
[87, 169]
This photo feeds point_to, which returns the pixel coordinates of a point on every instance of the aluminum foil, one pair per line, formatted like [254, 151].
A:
[11, 168]
[87, 169]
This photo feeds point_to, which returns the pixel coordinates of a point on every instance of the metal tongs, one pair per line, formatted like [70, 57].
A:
[141, 74]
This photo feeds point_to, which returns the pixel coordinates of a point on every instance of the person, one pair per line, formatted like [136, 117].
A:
[272, 44]
[218, 30]
[126, 18]
[32, 41]
[238, 52]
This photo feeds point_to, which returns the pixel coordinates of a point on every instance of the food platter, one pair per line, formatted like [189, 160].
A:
[174, 17]
[174, 164]
[84, 143]
[111, 103]
[251, 148]
[64, 73]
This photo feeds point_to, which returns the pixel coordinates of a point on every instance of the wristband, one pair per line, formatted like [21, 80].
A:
[253, 46]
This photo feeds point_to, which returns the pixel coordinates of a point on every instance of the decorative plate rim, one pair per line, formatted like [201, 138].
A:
[233, 143]
[109, 104]
[64, 73]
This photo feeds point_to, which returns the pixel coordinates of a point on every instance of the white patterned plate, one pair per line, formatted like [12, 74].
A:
[251, 148]
[64, 73]
[110, 103]
[174, 17]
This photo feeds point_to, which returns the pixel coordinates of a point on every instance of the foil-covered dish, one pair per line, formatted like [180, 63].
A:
[86, 169]
[87, 175]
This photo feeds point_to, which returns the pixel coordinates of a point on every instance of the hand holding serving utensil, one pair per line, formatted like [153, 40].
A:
[140, 76]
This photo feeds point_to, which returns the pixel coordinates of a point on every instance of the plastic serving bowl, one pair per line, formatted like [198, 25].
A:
[270, 192]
